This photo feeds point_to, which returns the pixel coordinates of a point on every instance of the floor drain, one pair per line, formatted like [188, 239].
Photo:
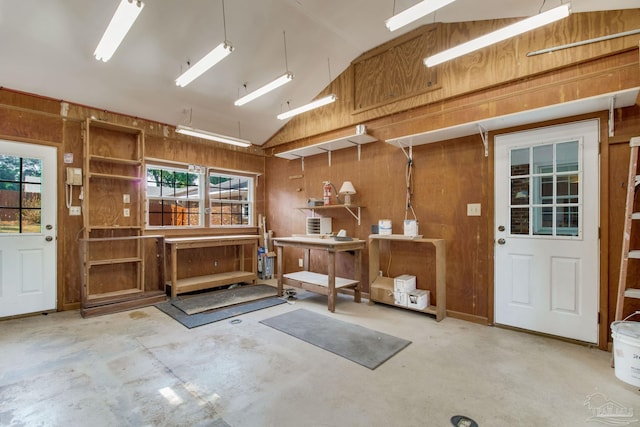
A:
[462, 421]
[235, 321]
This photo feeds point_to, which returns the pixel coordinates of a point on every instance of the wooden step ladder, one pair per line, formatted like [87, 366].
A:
[624, 290]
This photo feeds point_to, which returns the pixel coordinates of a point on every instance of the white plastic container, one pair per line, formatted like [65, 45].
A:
[626, 351]
[404, 283]
[400, 298]
[384, 226]
[418, 299]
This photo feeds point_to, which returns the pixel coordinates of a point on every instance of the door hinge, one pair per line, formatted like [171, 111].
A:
[598, 318]
[599, 234]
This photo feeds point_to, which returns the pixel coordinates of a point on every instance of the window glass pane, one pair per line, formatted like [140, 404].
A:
[520, 221]
[567, 156]
[543, 221]
[520, 162]
[520, 191]
[567, 189]
[9, 168]
[31, 221]
[543, 159]
[567, 220]
[10, 195]
[9, 221]
[543, 190]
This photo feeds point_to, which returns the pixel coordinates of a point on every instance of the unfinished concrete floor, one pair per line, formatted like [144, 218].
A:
[142, 368]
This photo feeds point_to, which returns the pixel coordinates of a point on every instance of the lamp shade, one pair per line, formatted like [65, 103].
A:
[347, 188]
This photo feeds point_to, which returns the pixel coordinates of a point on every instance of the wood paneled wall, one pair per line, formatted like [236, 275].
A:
[472, 75]
[450, 174]
[33, 119]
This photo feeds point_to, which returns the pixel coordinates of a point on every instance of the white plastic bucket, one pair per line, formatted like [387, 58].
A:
[626, 351]
[384, 226]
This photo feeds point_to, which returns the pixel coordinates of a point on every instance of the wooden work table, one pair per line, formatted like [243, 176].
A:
[196, 283]
[325, 284]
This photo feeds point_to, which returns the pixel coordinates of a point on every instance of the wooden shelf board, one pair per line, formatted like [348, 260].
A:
[114, 227]
[195, 283]
[635, 254]
[111, 261]
[319, 279]
[108, 297]
[136, 301]
[112, 176]
[632, 293]
[112, 126]
[117, 160]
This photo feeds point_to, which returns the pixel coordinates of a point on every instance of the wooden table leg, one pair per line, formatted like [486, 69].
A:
[174, 271]
[280, 267]
[358, 276]
[332, 281]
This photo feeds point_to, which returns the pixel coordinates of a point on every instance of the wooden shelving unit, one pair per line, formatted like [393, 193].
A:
[381, 287]
[121, 268]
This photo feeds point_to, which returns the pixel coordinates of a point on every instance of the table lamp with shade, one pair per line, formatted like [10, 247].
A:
[347, 189]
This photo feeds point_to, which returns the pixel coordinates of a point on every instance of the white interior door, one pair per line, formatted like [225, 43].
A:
[546, 230]
[27, 228]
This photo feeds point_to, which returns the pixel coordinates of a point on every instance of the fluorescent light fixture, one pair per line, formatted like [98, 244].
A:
[186, 130]
[308, 107]
[285, 78]
[509, 31]
[414, 13]
[212, 58]
[122, 20]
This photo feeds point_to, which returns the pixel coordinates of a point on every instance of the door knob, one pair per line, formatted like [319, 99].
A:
[49, 226]
[501, 241]
[48, 238]
[501, 228]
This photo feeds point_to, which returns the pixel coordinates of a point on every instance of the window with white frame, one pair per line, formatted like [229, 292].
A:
[230, 199]
[174, 197]
[181, 196]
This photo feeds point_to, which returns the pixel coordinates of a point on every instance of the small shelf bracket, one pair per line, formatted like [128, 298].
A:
[357, 217]
[484, 134]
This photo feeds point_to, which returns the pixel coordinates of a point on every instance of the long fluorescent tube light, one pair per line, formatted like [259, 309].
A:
[285, 78]
[122, 20]
[414, 13]
[209, 60]
[509, 31]
[308, 107]
[186, 130]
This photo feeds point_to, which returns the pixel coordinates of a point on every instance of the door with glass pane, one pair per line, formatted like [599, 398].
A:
[27, 228]
[546, 230]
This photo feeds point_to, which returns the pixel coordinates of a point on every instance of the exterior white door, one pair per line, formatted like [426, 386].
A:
[27, 228]
[546, 230]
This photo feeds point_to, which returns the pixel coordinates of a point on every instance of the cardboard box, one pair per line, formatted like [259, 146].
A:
[405, 283]
[418, 299]
[400, 298]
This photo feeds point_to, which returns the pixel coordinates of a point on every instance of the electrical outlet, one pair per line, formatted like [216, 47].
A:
[126, 212]
[215, 263]
[126, 198]
[300, 263]
[473, 209]
[75, 210]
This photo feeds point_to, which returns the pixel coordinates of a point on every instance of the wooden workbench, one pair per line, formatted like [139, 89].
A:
[325, 284]
[196, 283]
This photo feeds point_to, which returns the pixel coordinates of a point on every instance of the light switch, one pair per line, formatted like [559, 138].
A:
[473, 209]
[126, 198]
